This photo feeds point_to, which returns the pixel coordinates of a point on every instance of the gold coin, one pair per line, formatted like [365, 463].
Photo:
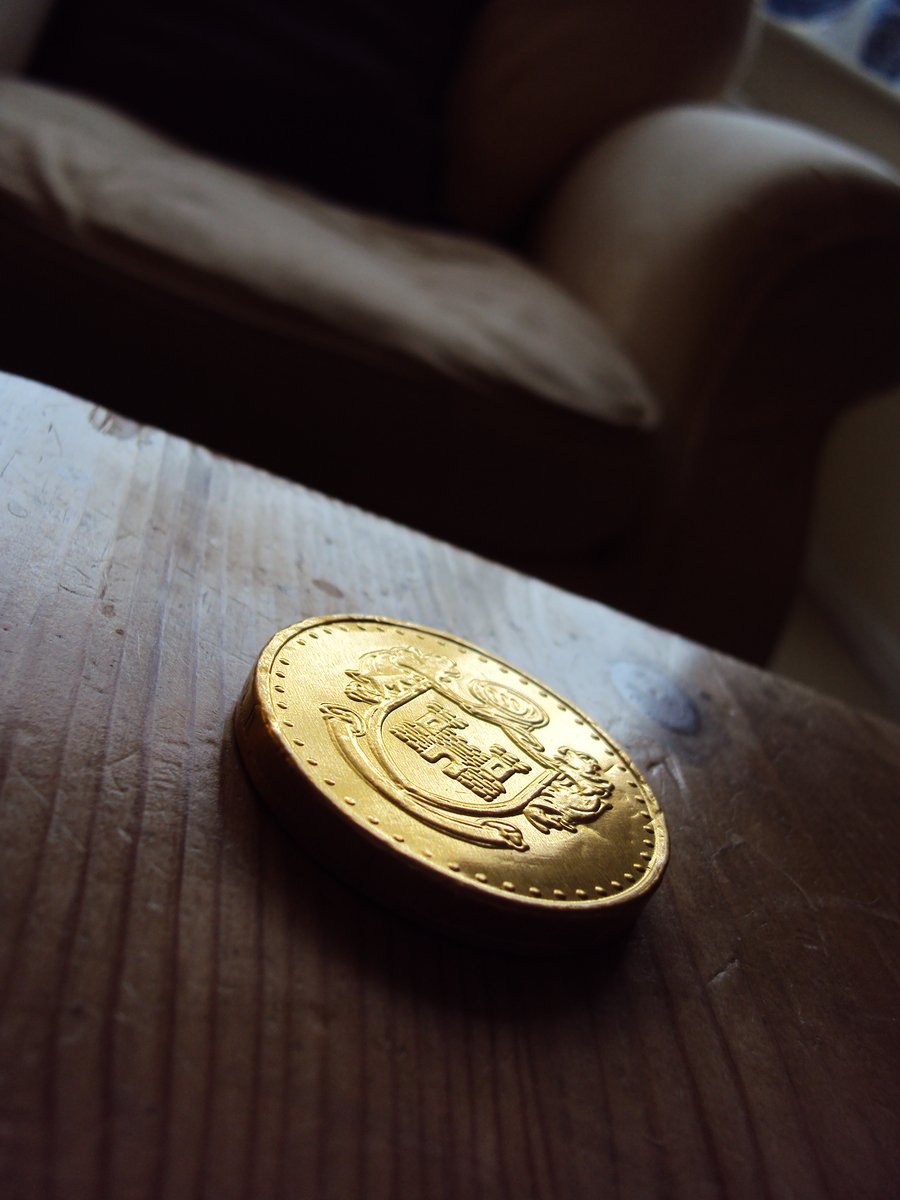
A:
[448, 784]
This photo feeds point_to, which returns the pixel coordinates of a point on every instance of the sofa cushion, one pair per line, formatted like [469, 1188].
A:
[345, 97]
[278, 257]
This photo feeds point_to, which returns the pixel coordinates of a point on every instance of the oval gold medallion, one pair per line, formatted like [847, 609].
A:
[449, 784]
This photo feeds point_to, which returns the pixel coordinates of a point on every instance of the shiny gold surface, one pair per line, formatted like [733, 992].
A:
[449, 783]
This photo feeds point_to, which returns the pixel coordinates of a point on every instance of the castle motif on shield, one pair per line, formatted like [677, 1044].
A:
[437, 737]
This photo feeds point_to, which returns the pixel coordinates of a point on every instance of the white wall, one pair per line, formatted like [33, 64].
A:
[853, 566]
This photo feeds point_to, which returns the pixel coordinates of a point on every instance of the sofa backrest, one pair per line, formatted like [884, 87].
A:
[21, 23]
[541, 79]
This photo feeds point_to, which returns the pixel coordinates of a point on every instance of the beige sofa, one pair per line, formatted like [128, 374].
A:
[617, 374]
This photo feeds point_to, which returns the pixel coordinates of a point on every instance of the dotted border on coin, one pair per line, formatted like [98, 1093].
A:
[478, 877]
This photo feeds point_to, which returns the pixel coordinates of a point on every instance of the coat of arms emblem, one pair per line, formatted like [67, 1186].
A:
[461, 754]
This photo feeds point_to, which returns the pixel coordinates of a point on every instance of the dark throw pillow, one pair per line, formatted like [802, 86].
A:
[343, 96]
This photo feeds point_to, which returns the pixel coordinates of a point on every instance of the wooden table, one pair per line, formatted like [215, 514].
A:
[192, 1008]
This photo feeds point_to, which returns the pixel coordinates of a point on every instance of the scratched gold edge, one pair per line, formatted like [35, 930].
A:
[371, 863]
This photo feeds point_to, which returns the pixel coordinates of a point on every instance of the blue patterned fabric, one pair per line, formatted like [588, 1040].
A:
[881, 49]
[800, 10]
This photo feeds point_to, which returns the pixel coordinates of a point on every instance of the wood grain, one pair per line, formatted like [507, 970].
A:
[192, 1008]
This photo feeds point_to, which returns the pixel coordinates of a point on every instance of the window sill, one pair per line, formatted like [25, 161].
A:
[791, 76]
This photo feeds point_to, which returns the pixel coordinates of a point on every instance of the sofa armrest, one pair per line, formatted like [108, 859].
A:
[751, 270]
[678, 228]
